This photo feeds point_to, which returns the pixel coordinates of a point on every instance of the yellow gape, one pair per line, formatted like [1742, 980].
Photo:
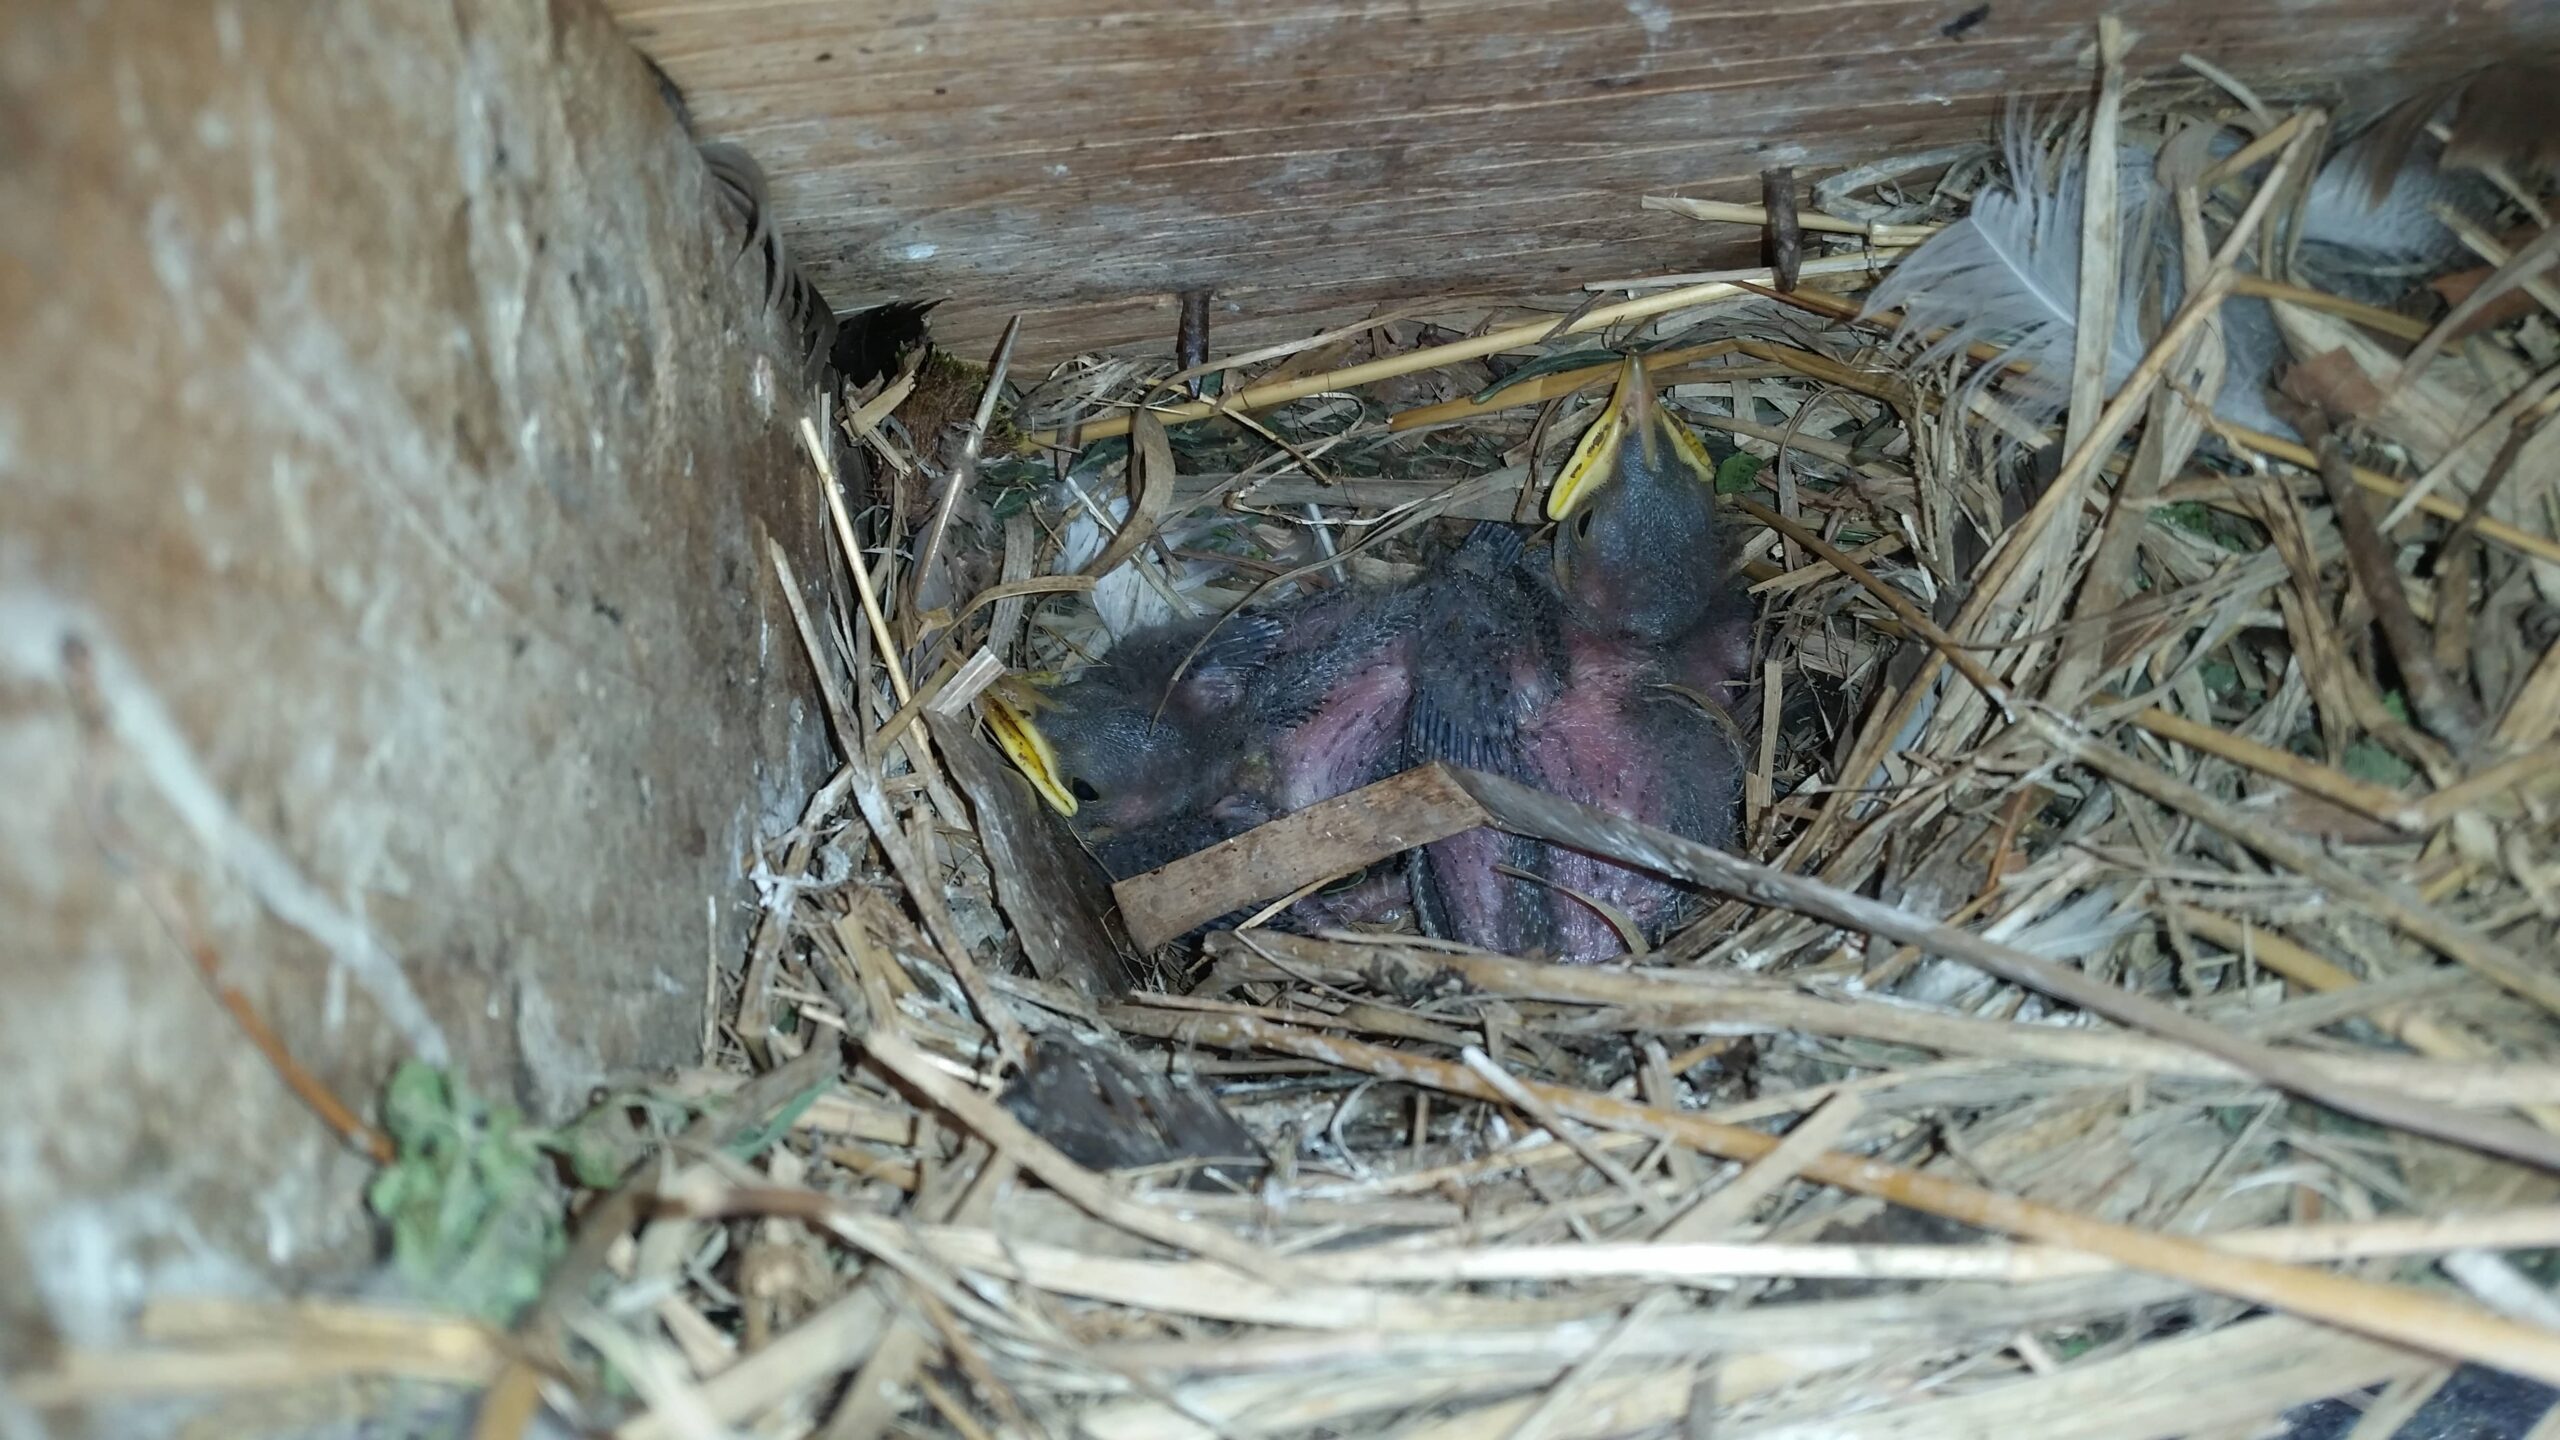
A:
[1631, 414]
[1011, 703]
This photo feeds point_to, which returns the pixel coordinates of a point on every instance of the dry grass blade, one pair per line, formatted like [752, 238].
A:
[1151, 486]
[2101, 218]
[1518, 808]
[2405, 1317]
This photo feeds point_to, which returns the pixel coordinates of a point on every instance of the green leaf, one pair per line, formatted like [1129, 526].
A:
[418, 1104]
[1737, 472]
[474, 1219]
[2191, 516]
[2370, 760]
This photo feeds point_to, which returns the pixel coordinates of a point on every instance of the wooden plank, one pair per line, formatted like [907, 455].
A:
[1084, 160]
[1326, 839]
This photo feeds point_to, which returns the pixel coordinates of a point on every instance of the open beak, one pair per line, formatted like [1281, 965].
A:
[1012, 702]
[1632, 428]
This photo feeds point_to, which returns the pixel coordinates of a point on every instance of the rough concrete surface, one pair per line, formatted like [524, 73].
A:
[381, 418]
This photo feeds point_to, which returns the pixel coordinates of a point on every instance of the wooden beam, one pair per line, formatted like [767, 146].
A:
[1083, 161]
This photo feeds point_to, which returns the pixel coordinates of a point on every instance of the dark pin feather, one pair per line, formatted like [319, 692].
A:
[865, 346]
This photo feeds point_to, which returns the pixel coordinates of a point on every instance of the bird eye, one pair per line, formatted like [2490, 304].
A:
[1582, 525]
[1083, 790]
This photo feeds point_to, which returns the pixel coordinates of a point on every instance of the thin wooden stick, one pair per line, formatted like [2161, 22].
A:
[2506, 778]
[870, 597]
[2443, 507]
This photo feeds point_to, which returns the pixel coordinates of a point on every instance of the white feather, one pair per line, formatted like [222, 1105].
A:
[2008, 274]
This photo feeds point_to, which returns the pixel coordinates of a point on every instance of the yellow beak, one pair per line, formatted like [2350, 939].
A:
[1631, 416]
[1011, 703]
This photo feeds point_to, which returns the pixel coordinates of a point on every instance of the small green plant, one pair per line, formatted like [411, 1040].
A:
[2373, 761]
[2208, 524]
[475, 1218]
[1737, 472]
[471, 1197]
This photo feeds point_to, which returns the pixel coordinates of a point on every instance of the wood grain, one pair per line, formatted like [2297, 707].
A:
[1083, 161]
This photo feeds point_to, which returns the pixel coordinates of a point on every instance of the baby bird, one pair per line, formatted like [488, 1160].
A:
[1137, 750]
[1600, 676]
[1325, 712]
[1639, 560]
[1656, 636]
[1151, 760]
[1494, 664]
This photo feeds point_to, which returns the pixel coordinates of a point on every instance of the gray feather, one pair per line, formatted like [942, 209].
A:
[2008, 274]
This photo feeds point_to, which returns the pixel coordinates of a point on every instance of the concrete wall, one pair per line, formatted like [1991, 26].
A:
[379, 414]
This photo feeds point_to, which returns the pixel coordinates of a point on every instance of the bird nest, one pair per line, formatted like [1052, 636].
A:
[2128, 1010]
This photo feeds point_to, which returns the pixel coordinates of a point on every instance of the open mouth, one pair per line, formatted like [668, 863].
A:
[1011, 703]
[1631, 411]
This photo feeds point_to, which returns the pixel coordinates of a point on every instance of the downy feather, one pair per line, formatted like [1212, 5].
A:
[2007, 275]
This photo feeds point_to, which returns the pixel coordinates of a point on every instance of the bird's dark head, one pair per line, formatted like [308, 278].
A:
[1636, 550]
[1106, 761]
[1128, 742]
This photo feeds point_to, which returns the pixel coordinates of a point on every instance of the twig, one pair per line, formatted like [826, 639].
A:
[89, 708]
